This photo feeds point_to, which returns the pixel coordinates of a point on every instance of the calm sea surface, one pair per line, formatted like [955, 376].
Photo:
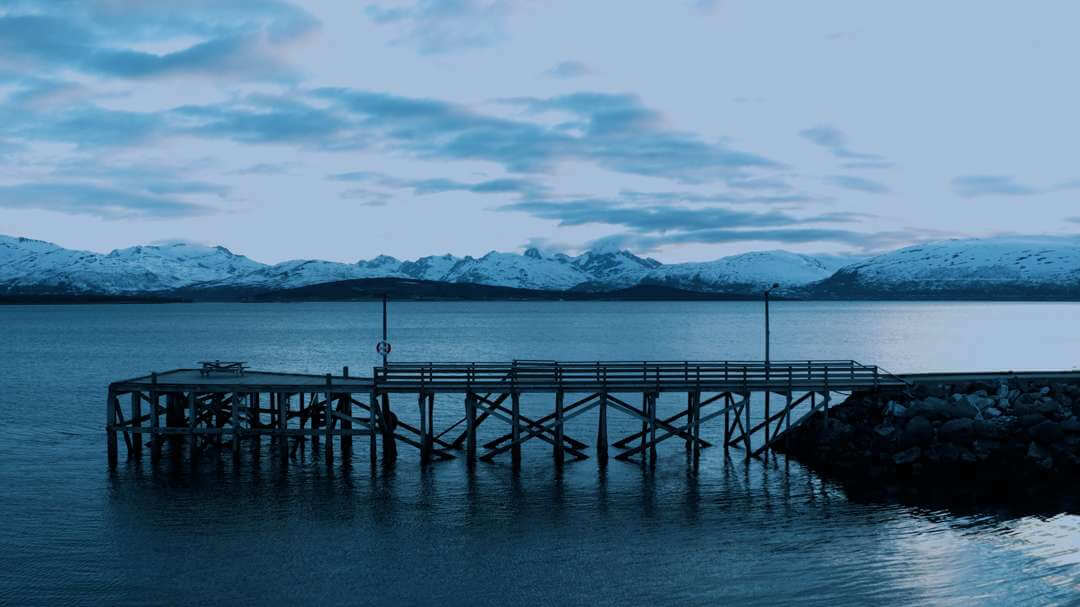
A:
[251, 533]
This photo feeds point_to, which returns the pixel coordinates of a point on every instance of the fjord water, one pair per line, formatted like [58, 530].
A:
[248, 532]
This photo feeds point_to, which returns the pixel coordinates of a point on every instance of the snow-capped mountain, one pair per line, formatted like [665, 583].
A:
[748, 272]
[529, 271]
[614, 268]
[993, 267]
[32, 265]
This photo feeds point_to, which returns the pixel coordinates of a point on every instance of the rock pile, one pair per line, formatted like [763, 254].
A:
[1015, 430]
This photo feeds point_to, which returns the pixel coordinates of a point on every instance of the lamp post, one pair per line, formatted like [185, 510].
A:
[767, 291]
[768, 389]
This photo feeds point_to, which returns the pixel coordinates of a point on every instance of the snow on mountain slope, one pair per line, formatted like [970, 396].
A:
[303, 272]
[614, 269]
[34, 265]
[431, 267]
[970, 263]
[185, 263]
[530, 271]
[746, 272]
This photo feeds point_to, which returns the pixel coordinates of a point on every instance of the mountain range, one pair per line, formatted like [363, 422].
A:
[993, 268]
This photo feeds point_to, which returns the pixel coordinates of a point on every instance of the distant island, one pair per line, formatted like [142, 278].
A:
[993, 269]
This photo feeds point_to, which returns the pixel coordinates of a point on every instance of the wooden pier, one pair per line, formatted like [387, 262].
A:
[222, 410]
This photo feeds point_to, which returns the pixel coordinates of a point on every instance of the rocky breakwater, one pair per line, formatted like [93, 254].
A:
[1011, 434]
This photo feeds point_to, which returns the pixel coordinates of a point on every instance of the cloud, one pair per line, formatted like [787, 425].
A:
[260, 119]
[867, 241]
[727, 198]
[441, 26]
[233, 39]
[86, 125]
[970, 186]
[525, 187]
[366, 198]
[1073, 219]
[660, 218]
[618, 133]
[859, 184]
[96, 201]
[568, 69]
[835, 141]
[265, 168]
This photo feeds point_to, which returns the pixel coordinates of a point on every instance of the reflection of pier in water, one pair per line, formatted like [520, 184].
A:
[209, 408]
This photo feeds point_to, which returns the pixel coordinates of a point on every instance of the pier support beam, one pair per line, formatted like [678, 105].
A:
[283, 427]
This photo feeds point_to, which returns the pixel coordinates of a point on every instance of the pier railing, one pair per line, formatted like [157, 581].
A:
[540, 375]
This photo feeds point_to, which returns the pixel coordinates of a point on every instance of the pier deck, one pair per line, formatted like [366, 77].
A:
[189, 406]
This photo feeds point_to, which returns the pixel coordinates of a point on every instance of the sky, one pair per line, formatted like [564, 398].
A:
[686, 130]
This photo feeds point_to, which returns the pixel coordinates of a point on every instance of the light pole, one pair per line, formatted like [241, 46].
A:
[767, 291]
[768, 389]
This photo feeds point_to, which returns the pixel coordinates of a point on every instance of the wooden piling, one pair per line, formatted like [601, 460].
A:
[283, 427]
[652, 428]
[515, 429]
[697, 428]
[345, 407]
[328, 423]
[155, 438]
[234, 421]
[421, 402]
[429, 438]
[110, 430]
[192, 418]
[558, 447]
[372, 405]
[389, 442]
[746, 430]
[136, 423]
[601, 431]
[470, 428]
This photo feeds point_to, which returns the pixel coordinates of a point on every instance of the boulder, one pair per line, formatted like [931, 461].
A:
[919, 431]
[1031, 419]
[1040, 456]
[1071, 425]
[956, 430]
[984, 449]
[886, 429]
[1047, 432]
[988, 430]
[894, 409]
[908, 456]
[991, 412]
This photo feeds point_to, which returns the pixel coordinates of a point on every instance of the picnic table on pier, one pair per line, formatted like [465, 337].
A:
[222, 366]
